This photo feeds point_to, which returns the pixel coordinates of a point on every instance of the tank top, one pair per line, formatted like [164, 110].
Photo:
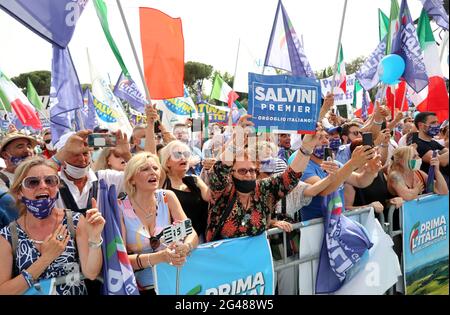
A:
[138, 237]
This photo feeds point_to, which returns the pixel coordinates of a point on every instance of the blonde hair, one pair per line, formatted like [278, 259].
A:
[102, 160]
[21, 172]
[137, 161]
[164, 153]
[400, 158]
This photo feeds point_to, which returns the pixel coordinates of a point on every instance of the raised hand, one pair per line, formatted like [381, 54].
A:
[122, 148]
[94, 223]
[361, 155]
[152, 113]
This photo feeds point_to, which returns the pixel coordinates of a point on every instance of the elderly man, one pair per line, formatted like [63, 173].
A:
[14, 148]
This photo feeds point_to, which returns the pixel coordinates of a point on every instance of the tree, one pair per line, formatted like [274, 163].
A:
[41, 81]
[195, 72]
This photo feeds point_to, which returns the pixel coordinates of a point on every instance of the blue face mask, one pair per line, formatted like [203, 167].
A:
[40, 208]
[142, 143]
[319, 152]
[17, 160]
[433, 130]
[335, 143]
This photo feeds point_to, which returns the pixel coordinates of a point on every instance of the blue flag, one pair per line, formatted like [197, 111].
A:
[118, 275]
[367, 75]
[407, 45]
[365, 105]
[127, 90]
[66, 99]
[436, 10]
[89, 116]
[285, 51]
[344, 243]
[54, 20]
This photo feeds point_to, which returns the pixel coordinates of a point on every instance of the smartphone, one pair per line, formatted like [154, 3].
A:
[101, 140]
[196, 125]
[328, 156]
[367, 139]
[383, 125]
[157, 123]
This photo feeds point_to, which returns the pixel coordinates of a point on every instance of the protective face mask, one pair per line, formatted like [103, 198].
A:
[142, 143]
[40, 208]
[319, 152]
[335, 143]
[415, 165]
[433, 130]
[244, 186]
[50, 146]
[76, 172]
[17, 160]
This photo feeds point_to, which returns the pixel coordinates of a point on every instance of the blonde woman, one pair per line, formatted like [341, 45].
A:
[405, 178]
[146, 211]
[45, 247]
[191, 191]
[108, 160]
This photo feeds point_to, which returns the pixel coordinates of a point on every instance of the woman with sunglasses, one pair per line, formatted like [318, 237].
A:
[45, 247]
[146, 211]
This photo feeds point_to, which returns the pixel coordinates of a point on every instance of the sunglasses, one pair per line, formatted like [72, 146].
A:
[48, 141]
[155, 241]
[32, 182]
[244, 171]
[356, 133]
[177, 155]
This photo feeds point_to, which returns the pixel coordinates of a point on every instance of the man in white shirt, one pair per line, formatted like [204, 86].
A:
[77, 178]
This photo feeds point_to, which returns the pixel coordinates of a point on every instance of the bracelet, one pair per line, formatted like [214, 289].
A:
[95, 245]
[56, 161]
[378, 123]
[304, 151]
[138, 261]
[150, 265]
[28, 278]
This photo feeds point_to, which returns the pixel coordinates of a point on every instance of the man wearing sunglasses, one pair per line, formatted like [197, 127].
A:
[48, 150]
[15, 147]
[350, 132]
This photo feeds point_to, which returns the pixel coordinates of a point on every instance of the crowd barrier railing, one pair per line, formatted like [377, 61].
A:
[310, 259]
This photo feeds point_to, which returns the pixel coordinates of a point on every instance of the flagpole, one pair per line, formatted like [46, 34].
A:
[4, 108]
[404, 96]
[338, 47]
[141, 73]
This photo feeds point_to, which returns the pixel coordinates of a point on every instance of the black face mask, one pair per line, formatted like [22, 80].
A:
[244, 186]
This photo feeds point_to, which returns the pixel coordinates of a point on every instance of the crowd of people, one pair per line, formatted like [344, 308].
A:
[237, 183]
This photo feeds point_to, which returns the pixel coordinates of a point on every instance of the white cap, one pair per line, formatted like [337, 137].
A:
[62, 141]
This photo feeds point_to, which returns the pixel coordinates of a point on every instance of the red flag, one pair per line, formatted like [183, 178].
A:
[232, 96]
[163, 53]
[399, 97]
[437, 100]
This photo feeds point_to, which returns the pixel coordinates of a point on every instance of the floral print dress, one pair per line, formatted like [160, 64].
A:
[252, 221]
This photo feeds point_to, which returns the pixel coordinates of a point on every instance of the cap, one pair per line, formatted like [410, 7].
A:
[9, 137]
[332, 130]
[62, 141]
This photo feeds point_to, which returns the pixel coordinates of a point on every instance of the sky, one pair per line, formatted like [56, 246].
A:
[211, 29]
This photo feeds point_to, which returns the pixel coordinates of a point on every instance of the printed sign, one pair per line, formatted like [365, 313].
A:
[340, 98]
[284, 102]
[425, 245]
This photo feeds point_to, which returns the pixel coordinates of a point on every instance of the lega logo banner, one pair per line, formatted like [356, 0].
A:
[241, 266]
[284, 102]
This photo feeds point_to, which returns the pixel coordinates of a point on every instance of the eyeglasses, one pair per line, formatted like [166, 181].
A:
[32, 182]
[155, 241]
[356, 133]
[177, 155]
[244, 171]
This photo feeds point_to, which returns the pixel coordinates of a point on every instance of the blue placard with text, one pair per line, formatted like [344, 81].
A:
[284, 102]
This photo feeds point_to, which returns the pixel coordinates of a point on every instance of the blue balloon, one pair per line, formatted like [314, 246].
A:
[391, 68]
[292, 157]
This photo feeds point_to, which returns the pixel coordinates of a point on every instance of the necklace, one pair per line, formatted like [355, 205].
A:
[29, 235]
[149, 215]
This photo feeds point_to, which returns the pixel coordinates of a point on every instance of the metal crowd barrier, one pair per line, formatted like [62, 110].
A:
[312, 260]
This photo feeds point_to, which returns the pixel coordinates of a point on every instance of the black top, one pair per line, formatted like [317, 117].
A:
[423, 147]
[192, 203]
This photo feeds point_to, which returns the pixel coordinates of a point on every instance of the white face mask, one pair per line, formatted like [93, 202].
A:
[76, 172]
[50, 146]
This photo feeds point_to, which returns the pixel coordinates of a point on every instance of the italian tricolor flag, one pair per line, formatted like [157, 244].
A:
[434, 98]
[223, 92]
[361, 99]
[13, 98]
[341, 71]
